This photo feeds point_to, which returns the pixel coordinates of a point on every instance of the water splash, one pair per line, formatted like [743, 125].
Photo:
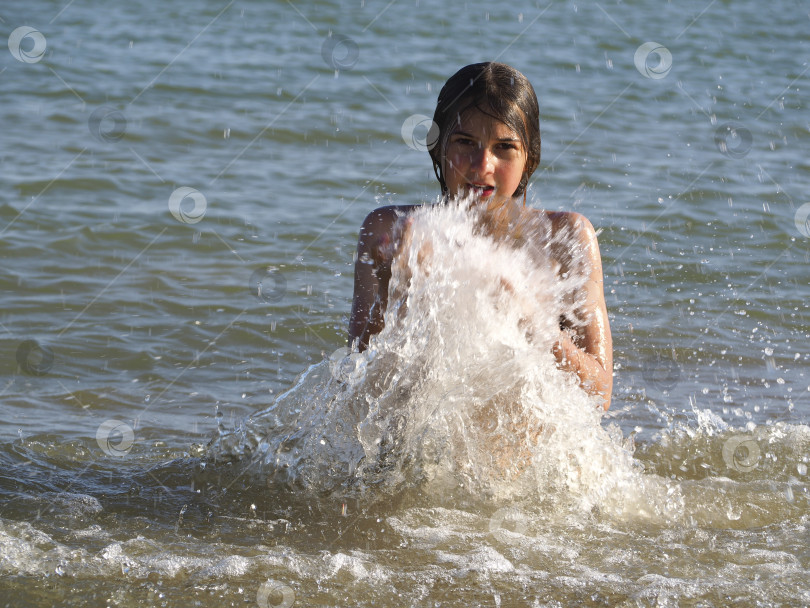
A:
[459, 395]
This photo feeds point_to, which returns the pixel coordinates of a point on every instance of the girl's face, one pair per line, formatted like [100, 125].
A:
[483, 156]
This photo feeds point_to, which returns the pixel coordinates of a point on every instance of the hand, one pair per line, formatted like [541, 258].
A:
[567, 354]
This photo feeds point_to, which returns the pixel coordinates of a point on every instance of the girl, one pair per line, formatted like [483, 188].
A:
[488, 147]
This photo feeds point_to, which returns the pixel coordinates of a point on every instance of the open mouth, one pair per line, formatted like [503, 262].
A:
[483, 190]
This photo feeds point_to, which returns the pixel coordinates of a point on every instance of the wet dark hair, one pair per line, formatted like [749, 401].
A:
[499, 91]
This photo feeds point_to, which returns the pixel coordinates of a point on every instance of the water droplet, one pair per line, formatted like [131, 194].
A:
[733, 512]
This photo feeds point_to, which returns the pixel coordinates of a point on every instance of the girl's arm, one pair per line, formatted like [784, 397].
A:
[372, 272]
[589, 351]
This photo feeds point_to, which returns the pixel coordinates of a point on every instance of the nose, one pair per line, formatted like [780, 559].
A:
[481, 160]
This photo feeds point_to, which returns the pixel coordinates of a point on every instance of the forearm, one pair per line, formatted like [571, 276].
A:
[376, 247]
[370, 300]
[593, 377]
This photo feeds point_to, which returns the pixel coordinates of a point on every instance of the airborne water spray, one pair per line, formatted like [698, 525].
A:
[460, 393]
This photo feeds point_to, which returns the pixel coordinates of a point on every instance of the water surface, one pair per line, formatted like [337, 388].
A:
[287, 118]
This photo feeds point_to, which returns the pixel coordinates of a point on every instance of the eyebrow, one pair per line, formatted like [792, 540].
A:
[471, 136]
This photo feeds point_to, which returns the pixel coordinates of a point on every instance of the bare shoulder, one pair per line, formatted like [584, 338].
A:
[580, 229]
[387, 215]
[380, 221]
[571, 220]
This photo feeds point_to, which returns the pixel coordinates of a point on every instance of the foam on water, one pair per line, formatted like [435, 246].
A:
[720, 527]
[460, 394]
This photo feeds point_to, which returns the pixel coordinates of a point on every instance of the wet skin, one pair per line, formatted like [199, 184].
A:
[487, 157]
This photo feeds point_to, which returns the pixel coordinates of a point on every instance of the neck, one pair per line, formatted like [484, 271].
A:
[501, 219]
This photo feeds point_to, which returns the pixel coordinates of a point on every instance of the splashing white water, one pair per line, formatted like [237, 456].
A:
[460, 392]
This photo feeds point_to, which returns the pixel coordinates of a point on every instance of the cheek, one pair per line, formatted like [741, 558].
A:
[511, 173]
[456, 158]
[456, 165]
